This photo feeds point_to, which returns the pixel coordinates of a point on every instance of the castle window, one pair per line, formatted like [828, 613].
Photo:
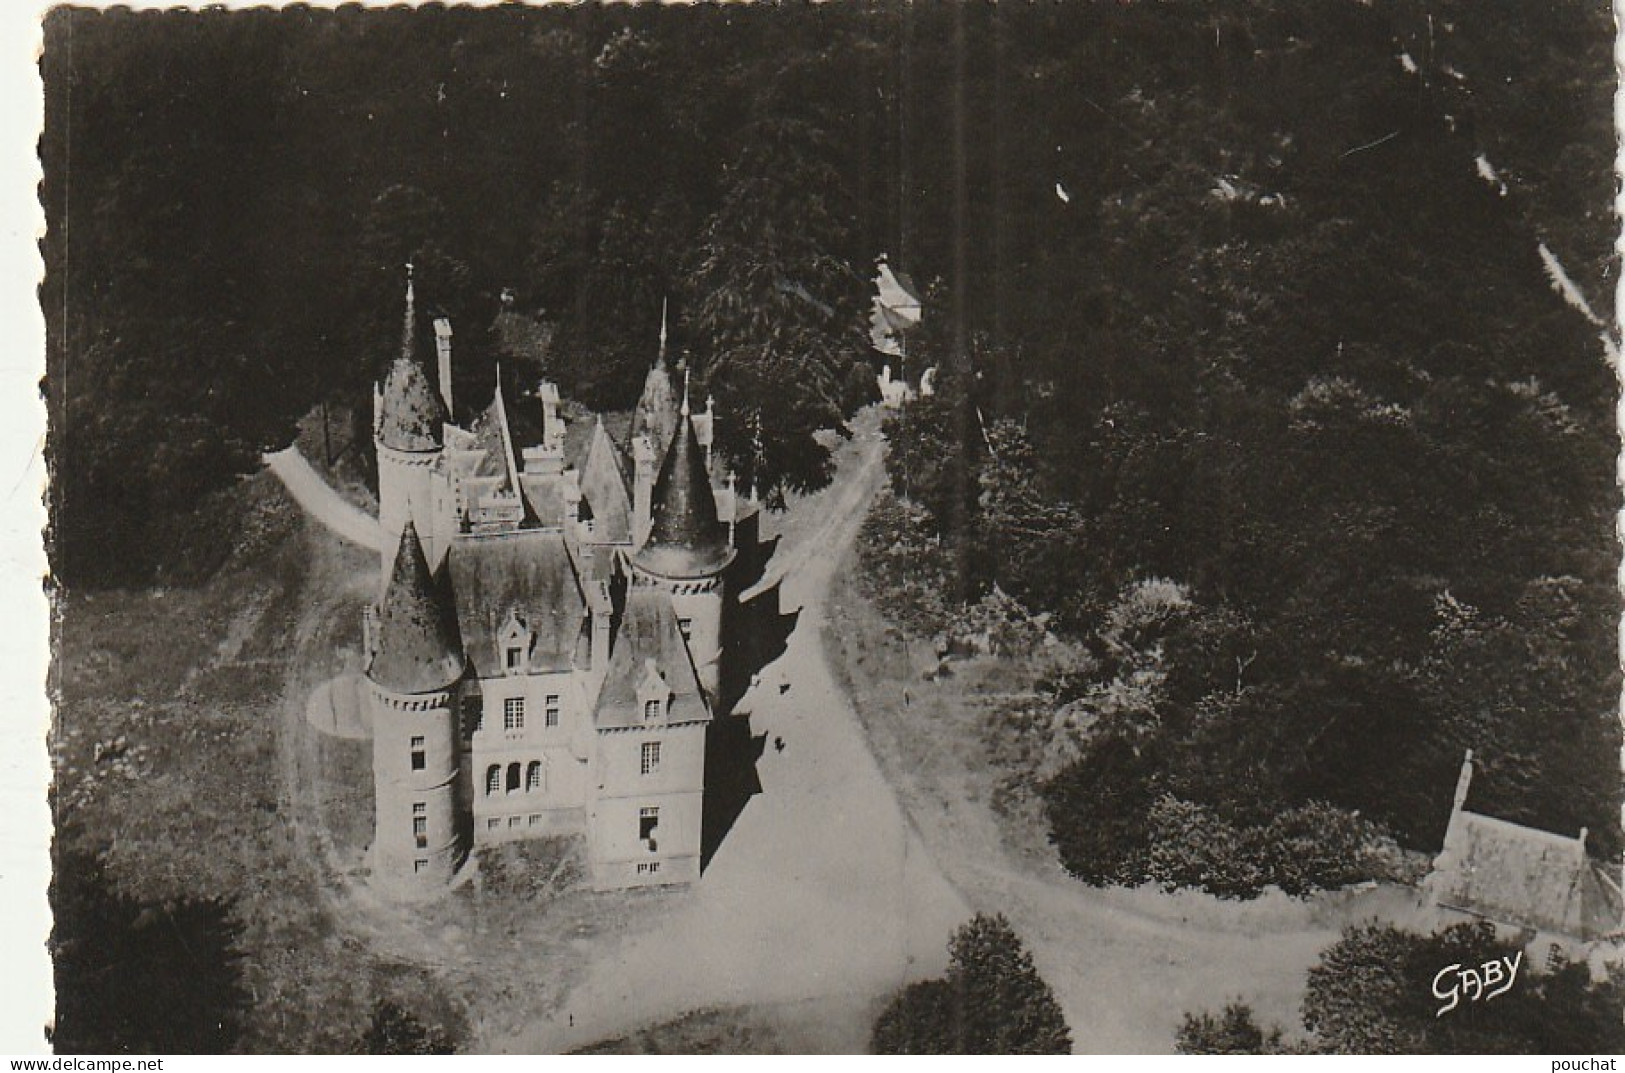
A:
[417, 754]
[420, 865]
[648, 820]
[516, 657]
[651, 710]
[513, 776]
[685, 626]
[533, 776]
[552, 712]
[493, 823]
[646, 868]
[515, 821]
[535, 820]
[513, 713]
[493, 779]
[649, 761]
[420, 825]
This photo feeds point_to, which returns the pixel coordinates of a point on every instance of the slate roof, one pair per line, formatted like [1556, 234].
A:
[491, 439]
[657, 408]
[648, 632]
[529, 572]
[685, 538]
[412, 414]
[605, 487]
[1526, 877]
[544, 501]
[418, 649]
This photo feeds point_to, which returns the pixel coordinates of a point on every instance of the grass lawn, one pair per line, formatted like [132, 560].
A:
[165, 751]
[182, 756]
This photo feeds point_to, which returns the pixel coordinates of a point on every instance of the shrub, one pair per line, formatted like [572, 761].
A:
[1098, 811]
[396, 1031]
[1190, 846]
[1233, 1032]
[991, 1002]
[1316, 846]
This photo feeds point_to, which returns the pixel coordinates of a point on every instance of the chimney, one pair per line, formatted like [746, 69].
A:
[1584, 832]
[1463, 781]
[442, 347]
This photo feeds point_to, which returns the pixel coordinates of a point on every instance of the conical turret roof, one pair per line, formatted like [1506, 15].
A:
[419, 650]
[685, 538]
[412, 415]
[656, 412]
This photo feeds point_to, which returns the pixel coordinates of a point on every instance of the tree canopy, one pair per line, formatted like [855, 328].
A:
[1259, 390]
[992, 1001]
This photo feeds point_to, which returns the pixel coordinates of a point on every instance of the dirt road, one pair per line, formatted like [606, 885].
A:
[321, 502]
[822, 888]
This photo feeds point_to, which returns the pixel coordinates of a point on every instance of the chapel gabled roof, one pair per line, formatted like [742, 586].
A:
[648, 635]
[1520, 875]
[418, 648]
[685, 538]
[412, 414]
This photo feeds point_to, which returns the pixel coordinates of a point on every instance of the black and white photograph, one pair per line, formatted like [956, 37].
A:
[881, 527]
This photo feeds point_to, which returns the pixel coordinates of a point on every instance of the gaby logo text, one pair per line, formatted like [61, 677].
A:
[1484, 982]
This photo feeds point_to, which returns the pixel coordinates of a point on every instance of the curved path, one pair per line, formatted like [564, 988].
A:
[321, 502]
[822, 888]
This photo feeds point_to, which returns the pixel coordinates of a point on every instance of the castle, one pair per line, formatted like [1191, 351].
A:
[550, 641]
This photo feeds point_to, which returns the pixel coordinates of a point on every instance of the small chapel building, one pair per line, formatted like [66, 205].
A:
[1539, 887]
[552, 633]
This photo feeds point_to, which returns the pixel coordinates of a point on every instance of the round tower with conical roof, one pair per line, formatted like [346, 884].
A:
[654, 421]
[687, 551]
[409, 420]
[420, 835]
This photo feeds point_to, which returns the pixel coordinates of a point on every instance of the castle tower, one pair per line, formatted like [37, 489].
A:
[409, 419]
[687, 552]
[654, 422]
[419, 835]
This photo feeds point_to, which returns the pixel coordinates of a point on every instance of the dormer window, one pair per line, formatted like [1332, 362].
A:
[514, 644]
[654, 695]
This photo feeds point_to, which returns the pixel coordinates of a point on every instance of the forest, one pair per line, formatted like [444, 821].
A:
[1278, 414]
[1253, 378]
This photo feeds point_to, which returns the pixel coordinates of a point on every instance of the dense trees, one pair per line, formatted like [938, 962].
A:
[139, 978]
[1249, 379]
[1275, 413]
[992, 1001]
[1372, 993]
[1381, 990]
[247, 186]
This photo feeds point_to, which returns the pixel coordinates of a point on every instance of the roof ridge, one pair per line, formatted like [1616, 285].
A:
[1513, 827]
